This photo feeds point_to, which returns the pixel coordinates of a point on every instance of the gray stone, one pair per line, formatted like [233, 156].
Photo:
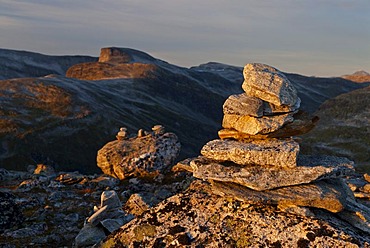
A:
[105, 213]
[29, 231]
[270, 152]
[356, 214]
[111, 224]
[271, 109]
[256, 125]
[243, 104]
[4, 174]
[148, 155]
[269, 84]
[110, 199]
[261, 178]
[89, 235]
[322, 194]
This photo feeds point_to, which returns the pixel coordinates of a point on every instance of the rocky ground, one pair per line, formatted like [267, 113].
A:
[48, 209]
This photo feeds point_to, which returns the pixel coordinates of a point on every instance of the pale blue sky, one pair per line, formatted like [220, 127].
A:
[310, 37]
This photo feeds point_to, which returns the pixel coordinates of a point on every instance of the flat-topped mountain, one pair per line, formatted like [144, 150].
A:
[64, 121]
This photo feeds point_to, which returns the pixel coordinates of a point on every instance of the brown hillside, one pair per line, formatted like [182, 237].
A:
[344, 128]
[100, 70]
[358, 78]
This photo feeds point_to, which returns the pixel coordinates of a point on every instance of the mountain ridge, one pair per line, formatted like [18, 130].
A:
[63, 121]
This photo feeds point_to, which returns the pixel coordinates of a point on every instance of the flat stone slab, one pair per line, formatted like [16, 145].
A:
[256, 125]
[269, 152]
[243, 104]
[302, 124]
[326, 195]
[269, 84]
[262, 178]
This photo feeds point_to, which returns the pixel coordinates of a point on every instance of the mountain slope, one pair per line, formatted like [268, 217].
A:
[16, 64]
[344, 128]
[63, 121]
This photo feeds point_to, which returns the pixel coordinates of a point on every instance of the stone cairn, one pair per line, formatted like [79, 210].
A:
[147, 154]
[257, 159]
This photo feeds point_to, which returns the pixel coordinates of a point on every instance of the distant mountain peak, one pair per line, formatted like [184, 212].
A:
[119, 55]
[361, 73]
[360, 76]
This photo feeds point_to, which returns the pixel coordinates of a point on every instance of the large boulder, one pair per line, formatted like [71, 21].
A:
[150, 154]
[269, 84]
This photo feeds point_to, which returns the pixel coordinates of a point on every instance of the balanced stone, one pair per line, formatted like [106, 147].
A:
[269, 84]
[158, 129]
[252, 125]
[301, 125]
[243, 104]
[261, 178]
[122, 134]
[271, 152]
[327, 195]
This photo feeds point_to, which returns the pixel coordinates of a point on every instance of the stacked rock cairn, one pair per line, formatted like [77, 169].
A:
[257, 158]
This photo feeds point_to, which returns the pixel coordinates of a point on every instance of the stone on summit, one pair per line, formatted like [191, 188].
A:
[271, 152]
[252, 125]
[243, 104]
[269, 84]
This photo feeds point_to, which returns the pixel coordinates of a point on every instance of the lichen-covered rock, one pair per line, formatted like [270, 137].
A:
[147, 155]
[200, 218]
[256, 125]
[262, 178]
[269, 152]
[329, 195]
[243, 104]
[268, 84]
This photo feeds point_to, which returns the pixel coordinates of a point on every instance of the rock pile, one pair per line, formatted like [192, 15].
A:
[256, 161]
[144, 154]
[107, 218]
[256, 190]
